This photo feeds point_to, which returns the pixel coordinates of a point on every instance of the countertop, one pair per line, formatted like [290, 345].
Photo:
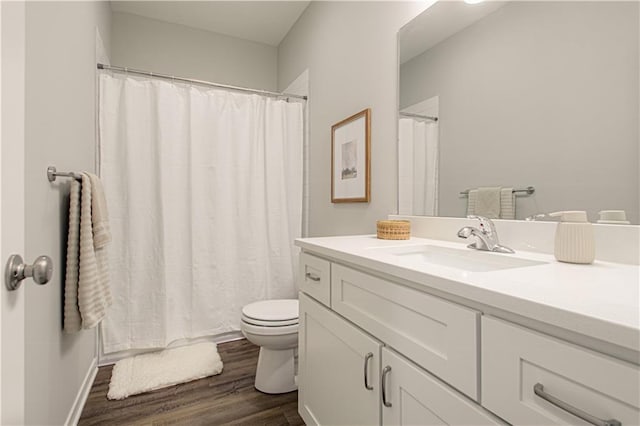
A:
[600, 300]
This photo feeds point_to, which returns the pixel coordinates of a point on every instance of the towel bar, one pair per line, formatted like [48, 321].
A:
[53, 173]
[526, 191]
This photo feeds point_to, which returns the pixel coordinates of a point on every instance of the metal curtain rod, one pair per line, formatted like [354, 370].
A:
[52, 174]
[426, 117]
[527, 191]
[191, 80]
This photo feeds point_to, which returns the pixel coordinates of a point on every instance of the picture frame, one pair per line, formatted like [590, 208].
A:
[351, 159]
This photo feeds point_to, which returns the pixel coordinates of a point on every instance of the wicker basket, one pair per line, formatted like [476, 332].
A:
[394, 229]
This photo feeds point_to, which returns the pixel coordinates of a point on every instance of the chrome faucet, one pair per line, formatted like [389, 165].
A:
[486, 236]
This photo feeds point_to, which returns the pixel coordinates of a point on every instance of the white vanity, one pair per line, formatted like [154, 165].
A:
[426, 331]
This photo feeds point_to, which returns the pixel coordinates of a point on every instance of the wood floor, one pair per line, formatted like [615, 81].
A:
[228, 398]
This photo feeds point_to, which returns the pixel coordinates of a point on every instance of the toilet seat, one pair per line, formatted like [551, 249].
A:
[263, 323]
[271, 313]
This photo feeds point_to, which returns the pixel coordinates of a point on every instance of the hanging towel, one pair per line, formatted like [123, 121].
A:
[72, 318]
[471, 201]
[87, 292]
[99, 215]
[488, 202]
[507, 203]
[94, 295]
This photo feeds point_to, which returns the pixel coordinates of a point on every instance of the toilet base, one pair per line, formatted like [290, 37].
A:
[275, 372]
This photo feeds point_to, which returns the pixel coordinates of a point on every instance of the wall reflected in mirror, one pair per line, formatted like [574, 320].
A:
[526, 94]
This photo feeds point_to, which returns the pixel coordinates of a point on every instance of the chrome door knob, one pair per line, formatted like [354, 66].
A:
[16, 271]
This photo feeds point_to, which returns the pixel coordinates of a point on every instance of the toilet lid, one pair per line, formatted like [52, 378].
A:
[276, 311]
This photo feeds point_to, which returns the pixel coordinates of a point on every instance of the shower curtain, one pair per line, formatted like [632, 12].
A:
[418, 167]
[204, 189]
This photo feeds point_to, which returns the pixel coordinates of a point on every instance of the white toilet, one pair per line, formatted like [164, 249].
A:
[273, 325]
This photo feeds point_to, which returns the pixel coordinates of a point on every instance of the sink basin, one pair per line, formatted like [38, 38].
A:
[465, 259]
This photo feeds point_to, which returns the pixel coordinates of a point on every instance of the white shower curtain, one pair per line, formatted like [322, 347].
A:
[204, 189]
[418, 143]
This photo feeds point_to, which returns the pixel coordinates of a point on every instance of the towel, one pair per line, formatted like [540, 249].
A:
[89, 269]
[488, 202]
[99, 215]
[507, 203]
[471, 201]
[72, 319]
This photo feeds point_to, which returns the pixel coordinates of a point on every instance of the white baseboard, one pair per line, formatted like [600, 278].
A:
[83, 394]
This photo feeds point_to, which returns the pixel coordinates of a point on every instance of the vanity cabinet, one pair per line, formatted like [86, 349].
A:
[572, 382]
[366, 332]
[469, 359]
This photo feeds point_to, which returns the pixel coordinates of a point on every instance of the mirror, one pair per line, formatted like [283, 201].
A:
[526, 94]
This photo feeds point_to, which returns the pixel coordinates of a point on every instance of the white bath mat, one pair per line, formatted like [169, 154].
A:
[143, 373]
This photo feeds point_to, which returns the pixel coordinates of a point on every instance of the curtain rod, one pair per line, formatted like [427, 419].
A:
[426, 117]
[190, 80]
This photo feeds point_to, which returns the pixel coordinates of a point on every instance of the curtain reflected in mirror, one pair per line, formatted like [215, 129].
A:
[418, 148]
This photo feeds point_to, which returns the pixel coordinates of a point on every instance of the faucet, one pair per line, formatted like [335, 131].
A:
[486, 236]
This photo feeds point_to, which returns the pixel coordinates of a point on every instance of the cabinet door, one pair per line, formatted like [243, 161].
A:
[529, 378]
[415, 397]
[333, 356]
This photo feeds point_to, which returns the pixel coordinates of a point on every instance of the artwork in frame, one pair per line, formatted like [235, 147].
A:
[350, 159]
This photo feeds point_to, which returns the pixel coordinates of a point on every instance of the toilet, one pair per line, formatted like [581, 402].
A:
[273, 325]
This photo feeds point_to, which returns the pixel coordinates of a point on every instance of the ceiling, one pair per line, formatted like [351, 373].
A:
[265, 22]
[439, 22]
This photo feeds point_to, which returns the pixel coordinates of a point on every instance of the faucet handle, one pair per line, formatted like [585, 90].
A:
[486, 224]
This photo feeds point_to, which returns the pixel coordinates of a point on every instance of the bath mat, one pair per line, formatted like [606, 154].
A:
[147, 372]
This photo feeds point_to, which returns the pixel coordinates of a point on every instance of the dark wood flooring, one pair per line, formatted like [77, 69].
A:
[228, 398]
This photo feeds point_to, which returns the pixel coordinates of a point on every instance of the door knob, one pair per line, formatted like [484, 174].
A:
[16, 271]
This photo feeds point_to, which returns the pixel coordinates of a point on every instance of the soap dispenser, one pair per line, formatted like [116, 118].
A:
[574, 238]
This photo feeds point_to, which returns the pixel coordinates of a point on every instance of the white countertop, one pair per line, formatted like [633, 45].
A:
[600, 300]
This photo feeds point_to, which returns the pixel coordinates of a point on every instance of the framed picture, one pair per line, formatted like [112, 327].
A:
[350, 159]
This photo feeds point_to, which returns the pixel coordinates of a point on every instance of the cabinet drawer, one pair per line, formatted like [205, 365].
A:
[415, 397]
[439, 336]
[315, 277]
[515, 359]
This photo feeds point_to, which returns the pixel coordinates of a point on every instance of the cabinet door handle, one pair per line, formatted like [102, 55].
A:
[312, 277]
[367, 358]
[385, 371]
[538, 389]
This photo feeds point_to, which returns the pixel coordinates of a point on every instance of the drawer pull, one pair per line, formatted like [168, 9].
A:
[312, 277]
[538, 389]
[367, 357]
[385, 371]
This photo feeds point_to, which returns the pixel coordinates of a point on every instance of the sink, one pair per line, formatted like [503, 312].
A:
[465, 259]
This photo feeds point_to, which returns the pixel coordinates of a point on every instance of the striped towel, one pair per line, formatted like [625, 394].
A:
[507, 203]
[471, 202]
[88, 270]
[72, 319]
[488, 202]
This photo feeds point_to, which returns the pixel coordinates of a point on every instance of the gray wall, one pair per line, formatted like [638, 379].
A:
[350, 49]
[60, 131]
[152, 45]
[516, 109]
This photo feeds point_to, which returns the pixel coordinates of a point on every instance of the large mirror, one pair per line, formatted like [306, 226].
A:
[520, 108]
